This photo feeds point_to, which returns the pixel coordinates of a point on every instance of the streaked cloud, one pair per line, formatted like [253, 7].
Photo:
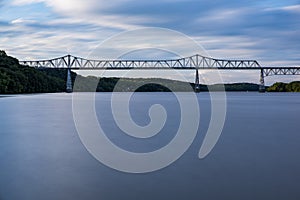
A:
[266, 30]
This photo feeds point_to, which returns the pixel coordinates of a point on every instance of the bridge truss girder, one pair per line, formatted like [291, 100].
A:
[195, 62]
[192, 62]
[268, 71]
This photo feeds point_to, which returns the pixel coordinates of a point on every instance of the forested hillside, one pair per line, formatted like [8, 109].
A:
[15, 78]
[285, 87]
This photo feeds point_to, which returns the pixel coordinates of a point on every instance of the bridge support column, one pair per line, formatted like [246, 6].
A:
[262, 87]
[197, 82]
[69, 88]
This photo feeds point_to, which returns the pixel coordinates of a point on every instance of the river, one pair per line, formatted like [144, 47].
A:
[257, 155]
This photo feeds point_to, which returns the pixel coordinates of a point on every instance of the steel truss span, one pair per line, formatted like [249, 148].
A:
[192, 62]
[268, 71]
[195, 62]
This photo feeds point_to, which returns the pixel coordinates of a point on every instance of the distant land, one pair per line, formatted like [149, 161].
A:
[19, 79]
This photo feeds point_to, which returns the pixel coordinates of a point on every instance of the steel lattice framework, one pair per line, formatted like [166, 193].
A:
[196, 62]
[271, 71]
[192, 62]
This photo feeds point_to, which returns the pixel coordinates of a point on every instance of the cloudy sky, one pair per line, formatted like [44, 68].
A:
[265, 30]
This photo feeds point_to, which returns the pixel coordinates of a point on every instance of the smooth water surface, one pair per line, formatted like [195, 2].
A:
[257, 156]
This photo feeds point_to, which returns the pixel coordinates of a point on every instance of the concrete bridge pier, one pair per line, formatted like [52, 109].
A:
[197, 82]
[69, 88]
[262, 88]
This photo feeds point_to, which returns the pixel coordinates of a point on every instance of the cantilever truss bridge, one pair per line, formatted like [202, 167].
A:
[196, 62]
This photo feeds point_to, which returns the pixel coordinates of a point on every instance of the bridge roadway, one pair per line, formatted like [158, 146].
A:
[196, 62]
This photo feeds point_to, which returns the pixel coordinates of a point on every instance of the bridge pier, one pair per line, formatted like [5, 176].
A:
[69, 88]
[197, 82]
[262, 87]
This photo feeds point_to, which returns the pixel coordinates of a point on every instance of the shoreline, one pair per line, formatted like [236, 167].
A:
[26, 94]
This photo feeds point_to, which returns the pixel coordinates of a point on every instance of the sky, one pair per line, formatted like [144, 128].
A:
[266, 30]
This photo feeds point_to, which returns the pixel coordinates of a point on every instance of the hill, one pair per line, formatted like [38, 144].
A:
[15, 78]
